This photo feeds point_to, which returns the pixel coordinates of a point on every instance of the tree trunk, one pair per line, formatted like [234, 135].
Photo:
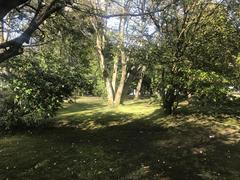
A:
[119, 92]
[115, 72]
[139, 85]
[114, 90]
[168, 101]
[129, 79]
[2, 32]
[109, 88]
[110, 93]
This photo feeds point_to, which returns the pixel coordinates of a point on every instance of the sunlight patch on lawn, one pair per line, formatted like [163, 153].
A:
[134, 141]
[93, 113]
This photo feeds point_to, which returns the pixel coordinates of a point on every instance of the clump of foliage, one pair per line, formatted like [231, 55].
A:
[196, 56]
[39, 81]
[36, 92]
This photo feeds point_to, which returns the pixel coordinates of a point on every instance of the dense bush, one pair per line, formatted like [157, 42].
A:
[36, 90]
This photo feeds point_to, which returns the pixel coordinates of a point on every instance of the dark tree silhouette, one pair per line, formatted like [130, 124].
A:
[42, 11]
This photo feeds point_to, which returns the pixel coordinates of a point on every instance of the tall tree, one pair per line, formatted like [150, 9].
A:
[178, 30]
[111, 70]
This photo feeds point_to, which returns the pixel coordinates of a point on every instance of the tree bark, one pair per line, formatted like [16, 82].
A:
[115, 73]
[2, 32]
[119, 92]
[109, 88]
[139, 85]
[114, 89]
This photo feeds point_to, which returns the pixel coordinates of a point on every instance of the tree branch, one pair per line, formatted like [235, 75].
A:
[14, 47]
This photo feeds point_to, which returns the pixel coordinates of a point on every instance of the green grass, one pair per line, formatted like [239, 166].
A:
[136, 141]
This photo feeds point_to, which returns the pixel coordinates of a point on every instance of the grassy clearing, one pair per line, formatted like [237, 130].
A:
[136, 141]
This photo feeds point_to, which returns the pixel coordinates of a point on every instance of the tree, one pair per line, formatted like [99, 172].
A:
[39, 80]
[179, 29]
[114, 87]
[119, 69]
[34, 13]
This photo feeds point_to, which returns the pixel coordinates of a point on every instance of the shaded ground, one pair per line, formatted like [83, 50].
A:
[135, 141]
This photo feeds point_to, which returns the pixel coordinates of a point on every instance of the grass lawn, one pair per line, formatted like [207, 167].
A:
[89, 140]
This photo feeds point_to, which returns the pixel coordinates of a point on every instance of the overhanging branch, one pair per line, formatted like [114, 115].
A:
[14, 47]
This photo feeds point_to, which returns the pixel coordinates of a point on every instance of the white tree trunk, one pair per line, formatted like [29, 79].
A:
[139, 85]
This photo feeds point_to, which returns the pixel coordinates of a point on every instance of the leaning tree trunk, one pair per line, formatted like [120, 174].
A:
[129, 78]
[110, 94]
[119, 91]
[139, 85]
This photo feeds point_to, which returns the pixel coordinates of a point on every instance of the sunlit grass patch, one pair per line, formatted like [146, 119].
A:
[134, 141]
[93, 113]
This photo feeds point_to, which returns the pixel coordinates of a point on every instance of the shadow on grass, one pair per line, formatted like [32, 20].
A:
[229, 109]
[78, 107]
[94, 120]
[151, 147]
[91, 115]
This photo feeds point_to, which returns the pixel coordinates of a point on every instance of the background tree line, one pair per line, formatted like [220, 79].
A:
[170, 50]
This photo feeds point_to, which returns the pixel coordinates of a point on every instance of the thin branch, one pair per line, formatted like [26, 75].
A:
[123, 14]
